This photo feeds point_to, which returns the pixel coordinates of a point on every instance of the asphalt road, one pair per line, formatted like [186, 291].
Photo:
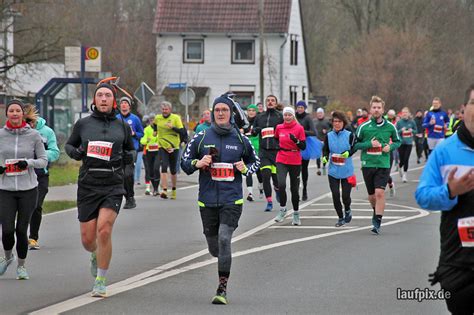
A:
[160, 264]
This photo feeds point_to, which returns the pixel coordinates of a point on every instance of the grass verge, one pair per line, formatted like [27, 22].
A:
[64, 174]
[58, 205]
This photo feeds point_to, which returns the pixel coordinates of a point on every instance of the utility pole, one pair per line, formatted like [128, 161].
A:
[261, 30]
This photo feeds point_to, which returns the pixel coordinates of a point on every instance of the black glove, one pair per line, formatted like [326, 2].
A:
[256, 131]
[154, 127]
[22, 165]
[78, 154]
[2, 169]
[127, 158]
[293, 138]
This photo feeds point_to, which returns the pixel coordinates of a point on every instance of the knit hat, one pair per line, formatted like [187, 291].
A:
[108, 86]
[225, 99]
[15, 101]
[252, 106]
[289, 110]
[126, 99]
[302, 103]
[320, 110]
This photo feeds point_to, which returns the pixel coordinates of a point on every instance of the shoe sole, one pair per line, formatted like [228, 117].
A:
[375, 231]
[278, 221]
[34, 248]
[218, 300]
[98, 295]
[296, 224]
[22, 278]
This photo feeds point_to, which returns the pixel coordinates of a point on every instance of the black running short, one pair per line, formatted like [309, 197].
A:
[168, 159]
[212, 217]
[268, 159]
[375, 177]
[90, 200]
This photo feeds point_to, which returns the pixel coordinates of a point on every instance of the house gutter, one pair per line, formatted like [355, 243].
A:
[281, 66]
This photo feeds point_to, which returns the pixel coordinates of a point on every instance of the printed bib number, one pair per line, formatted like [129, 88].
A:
[13, 170]
[466, 231]
[438, 128]
[338, 159]
[101, 150]
[153, 147]
[407, 134]
[374, 151]
[222, 172]
[267, 132]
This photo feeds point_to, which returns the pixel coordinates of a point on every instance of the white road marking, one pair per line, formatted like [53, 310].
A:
[357, 210]
[352, 204]
[322, 227]
[362, 217]
[159, 273]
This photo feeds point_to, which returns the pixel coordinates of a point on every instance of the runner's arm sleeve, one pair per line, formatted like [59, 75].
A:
[352, 141]
[414, 127]
[326, 148]
[426, 121]
[74, 141]
[191, 153]
[312, 130]
[139, 132]
[144, 139]
[53, 150]
[250, 158]
[255, 128]
[302, 140]
[395, 139]
[41, 160]
[432, 193]
[360, 144]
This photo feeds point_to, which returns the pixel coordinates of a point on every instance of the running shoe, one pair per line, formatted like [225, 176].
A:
[348, 216]
[269, 207]
[392, 190]
[148, 192]
[281, 215]
[4, 263]
[21, 273]
[130, 203]
[94, 264]
[318, 172]
[376, 227]
[404, 178]
[400, 172]
[340, 223]
[99, 289]
[220, 298]
[156, 193]
[33, 244]
[173, 194]
[250, 197]
[164, 195]
[418, 161]
[305, 194]
[324, 170]
[296, 218]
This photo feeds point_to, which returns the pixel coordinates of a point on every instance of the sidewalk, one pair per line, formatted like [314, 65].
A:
[69, 192]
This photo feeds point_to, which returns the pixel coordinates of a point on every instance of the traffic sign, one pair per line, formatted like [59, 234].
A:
[187, 97]
[177, 85]
[144, 93]
[92, 59]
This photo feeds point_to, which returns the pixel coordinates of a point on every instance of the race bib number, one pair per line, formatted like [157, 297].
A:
[222, 172]
[101, 150]
[13, 170]
[407, 134]
[466, 231]
[153, 147]
[338, 159]
[268, 132]
[438, 128]
[374, 151]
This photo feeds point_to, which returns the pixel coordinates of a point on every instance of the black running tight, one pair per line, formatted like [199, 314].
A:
[19, 204]
[294, 171]
[404, 150]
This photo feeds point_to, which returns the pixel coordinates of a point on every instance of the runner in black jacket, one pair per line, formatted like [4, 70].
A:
[104, 145]
[264, 126]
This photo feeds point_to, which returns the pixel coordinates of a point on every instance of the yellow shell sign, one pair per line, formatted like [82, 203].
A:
[92, 53]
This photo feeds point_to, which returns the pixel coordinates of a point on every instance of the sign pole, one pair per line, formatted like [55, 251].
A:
[83, 82]
[187, 105]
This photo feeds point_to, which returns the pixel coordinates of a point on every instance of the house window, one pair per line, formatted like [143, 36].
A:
[293, 50]
[293, 94]
[303, 93]
[193, 51]
[243, 51]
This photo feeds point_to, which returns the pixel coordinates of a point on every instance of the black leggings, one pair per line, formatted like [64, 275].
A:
[35, 222]
[461, 301]
[304, 172]
[294, 171]
[129, 177]
[336, 196]
[19, 204]
[249, 179]
[267, 175]
[153, 168]
[404, 151]
[419, 147]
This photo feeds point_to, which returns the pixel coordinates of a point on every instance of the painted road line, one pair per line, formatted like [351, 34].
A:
[358, 210]
[322, 227]
[332, 204]
[362, 217]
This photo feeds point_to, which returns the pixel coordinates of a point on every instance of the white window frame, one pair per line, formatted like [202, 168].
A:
[233, 52]
[185, 51]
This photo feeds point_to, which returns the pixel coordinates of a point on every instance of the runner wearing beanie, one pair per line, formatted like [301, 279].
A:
[264, 126]
[136, 127]
[222, 155]
[406, 130]
[21, 151]
[309, 130]
[104, 145]
[322, 126]
[42, 174]
[292, 139]
[251, 115]
[338, 151]
[152, 160]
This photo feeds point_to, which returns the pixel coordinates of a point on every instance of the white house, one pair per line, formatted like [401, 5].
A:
[214, 44]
